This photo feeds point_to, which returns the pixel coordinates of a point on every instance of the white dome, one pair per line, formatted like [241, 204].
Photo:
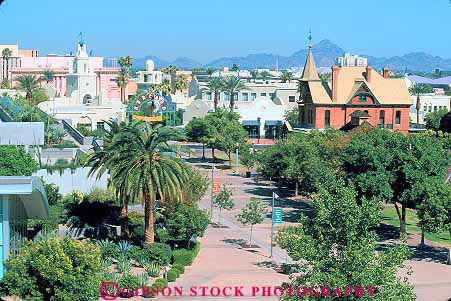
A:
[150, 65]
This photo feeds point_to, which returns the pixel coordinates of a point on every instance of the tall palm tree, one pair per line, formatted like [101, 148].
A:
[232, 84]
[171, 70]
[215, 87]
[254, 74]
[418, 89]
[151, 173]
[286, 76]
[48, 75]
[102, 161]
[123, 77]
[6, 54]
[181, 82]
[28, 84]
[210, 71]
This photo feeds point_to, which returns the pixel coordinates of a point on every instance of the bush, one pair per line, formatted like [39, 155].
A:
[152, 268]
[157, 252]
[172, 275]
[49, 269]
[14, 161]
[108, 249]
[179, 267]
[128, 281]
[160, 283]
[183, 256]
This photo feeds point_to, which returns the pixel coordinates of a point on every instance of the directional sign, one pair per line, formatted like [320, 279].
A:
[216, 186]
[277, 218]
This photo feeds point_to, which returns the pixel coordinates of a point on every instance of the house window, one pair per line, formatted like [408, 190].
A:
[425, 108]
[327, 119]
[253, 96]
[291, 98]
[382, 119]
[245, 96]
[435, 108]
[398, 118]
[430, 108]
[272, 95]
[362, 98]
[208, 95]
[226, 96]
[235, 96]
[263, 94]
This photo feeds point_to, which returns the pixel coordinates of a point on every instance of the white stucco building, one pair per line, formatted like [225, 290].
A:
[149, 77]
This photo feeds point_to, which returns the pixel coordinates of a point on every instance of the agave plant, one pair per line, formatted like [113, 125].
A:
[124, 248]
[143, 279]
[106, 262]
[153, 269]
[123, 266]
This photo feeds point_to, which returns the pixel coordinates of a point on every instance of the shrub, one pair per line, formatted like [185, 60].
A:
[152, 268]
[172, 275]
[128, 281]
[179, 267]
[49, 269]
[124, 248]
[184, 257]
[160, 283]
[108, 249]
[124, 266]
[14, 161]
[157, 252]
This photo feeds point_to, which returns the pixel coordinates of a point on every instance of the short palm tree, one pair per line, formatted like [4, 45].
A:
[102, 161]
[215, 87]
[28, 84]
[123, 77]
[286, 76]
[232, 84]
[165, 87]
[171, 70]
[150, 172]
[254, 75]
[418, 89]
[181, 82]
[264, 75]
[48, 75]
[210, 71]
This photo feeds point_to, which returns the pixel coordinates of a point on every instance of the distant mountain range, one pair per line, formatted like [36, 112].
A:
[325, 53]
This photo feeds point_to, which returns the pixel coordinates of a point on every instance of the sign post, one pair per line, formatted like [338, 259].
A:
[273, 218]
[215, 187]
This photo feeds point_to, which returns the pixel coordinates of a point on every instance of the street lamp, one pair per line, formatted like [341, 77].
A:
[211, 198]
[258, 129]
[236, 159]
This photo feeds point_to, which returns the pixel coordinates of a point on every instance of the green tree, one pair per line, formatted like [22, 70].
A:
[254, 75]
[418, 90]
[150, 172]
[6, 55]
[223, 201]
[286, 76]
[210, 71]
[235, 68]
[54, 269]
[165, 87]
[252, 214]
[433, 119]
[53, 193]
[337, 244]
[181, 82]
[215, 86]
[198, 130]
[123, 77]
[48, 75]
[28, 84]
[38, 96]
[172, 71]
[233, 84]
[232, 136]
[292, 116]
[265, 75]
[248, 158]
[14, 161]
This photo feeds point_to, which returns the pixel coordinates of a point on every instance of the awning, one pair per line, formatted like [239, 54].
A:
[273, 122]
[30, 191]
[250, 122]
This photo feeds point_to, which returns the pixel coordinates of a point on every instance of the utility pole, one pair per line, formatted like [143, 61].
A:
[211, 198]
[236, 160]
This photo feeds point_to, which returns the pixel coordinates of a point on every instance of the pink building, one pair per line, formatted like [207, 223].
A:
[62, 66]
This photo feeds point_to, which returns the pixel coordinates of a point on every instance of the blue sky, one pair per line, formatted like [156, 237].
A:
[208, 29]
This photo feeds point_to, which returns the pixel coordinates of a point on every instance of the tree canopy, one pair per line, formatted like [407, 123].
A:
[14, 161]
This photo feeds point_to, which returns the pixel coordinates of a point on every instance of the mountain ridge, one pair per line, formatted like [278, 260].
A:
[325, 53]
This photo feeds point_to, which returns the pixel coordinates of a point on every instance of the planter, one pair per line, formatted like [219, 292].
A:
[248, 174]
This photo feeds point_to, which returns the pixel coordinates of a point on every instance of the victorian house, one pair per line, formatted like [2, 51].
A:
[352, 96]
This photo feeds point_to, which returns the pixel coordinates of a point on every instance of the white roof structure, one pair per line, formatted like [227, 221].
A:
[22, 133]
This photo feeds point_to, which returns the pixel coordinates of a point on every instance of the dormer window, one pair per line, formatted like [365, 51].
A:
[362, 97]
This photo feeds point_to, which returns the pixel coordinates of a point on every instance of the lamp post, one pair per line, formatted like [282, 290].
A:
[211, 197]
[236, 159]
[258, 129]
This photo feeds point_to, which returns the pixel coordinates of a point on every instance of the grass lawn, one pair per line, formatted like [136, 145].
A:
[390, 217]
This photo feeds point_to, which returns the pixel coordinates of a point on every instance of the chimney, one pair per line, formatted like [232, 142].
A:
[335, 70]
[368, 73]
[386, 72]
